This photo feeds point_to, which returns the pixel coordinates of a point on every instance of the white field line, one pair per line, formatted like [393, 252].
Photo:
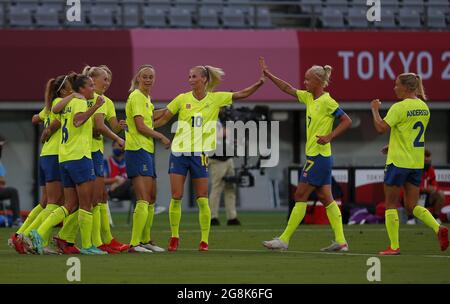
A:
[320, 252]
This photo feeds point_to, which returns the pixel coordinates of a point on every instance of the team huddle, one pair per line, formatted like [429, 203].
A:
[78, 114]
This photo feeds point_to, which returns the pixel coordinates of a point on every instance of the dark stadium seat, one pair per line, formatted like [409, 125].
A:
[387, 19]
[308, 6]
[417, 5]
[263, 18]
[154, 17]
[47, 16]
[409, 18]
[30, 4]
[243, 5]
[436, 18]
[130, 15]
[337, 4]
[357, 17]
[216, 4]
[332, 18]
[164, 5]
[102, 16]
[2, 16]
[208, 17]
[20, 16]
[190, 5]
[180, 17]
[233, 18]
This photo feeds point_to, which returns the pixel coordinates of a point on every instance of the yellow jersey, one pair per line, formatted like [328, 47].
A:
[51, 146]
[408, 120]
[197, 120]
[138, 105]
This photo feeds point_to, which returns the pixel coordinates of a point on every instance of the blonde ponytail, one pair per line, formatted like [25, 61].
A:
[323, 73]
[413, 83]
[212, 74]
[134, 80]
[420, 88]
[93, 71]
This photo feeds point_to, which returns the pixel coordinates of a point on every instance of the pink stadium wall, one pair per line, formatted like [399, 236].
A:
[364, 62]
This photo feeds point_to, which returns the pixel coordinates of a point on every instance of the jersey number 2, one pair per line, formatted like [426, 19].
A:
[417, 142]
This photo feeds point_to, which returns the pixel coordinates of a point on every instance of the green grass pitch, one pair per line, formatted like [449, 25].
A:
[236, 256]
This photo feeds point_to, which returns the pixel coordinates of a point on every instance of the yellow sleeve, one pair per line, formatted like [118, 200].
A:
[137, 106]
[53, 115]
[42, 114]
[331, 106]
[111, 110]
[174, 105]
[303, 96]
[393, 116]
[79, 106]
[223, 98]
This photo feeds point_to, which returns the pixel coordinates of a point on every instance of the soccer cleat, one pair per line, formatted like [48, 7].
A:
[443, 237]
[118, 246]
[159, 209]
[27, 244]
[139, 248]
[335, 247]
[215, 222]
[390, 251]
[203, 246]
[152, 246]
[37, 241]
[92, 251]
[276, 243]
[65, 247]
[173, 244]
[233, 222]
[15, 242]
[107, 249]
[49, 251]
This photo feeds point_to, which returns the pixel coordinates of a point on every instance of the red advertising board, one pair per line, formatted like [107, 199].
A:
[365, 64]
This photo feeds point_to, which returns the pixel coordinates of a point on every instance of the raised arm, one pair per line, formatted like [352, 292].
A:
[281, 84]
[143, 129]
[163, 119]
[250, 90]
[63, 103]
[99, 125]
[380, 125]
[81, 117]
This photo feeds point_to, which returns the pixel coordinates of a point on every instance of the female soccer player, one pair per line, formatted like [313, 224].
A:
[101, 82]
[49, 176]
[139, 157]
[76, 166]
[321, 110]
[198, 111]
[407, 121]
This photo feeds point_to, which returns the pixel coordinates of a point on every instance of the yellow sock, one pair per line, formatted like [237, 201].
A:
[139, 220]
[70, 227]
[296, 217]
[426, 217]
[56, 217]
[335, 218]
[43, 215]
[204, 217]
[175, 216]
[48, 234]
[105, 227]
[392, 226]
[146, 233]
[85, 222]
[30, 218]
[96, 223]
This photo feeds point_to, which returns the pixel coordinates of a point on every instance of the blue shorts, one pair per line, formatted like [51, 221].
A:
[49, 169]
[140, 163]
[196, 164]
[97, 159]
[317, 170]
[75, 172]
[395, 176]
